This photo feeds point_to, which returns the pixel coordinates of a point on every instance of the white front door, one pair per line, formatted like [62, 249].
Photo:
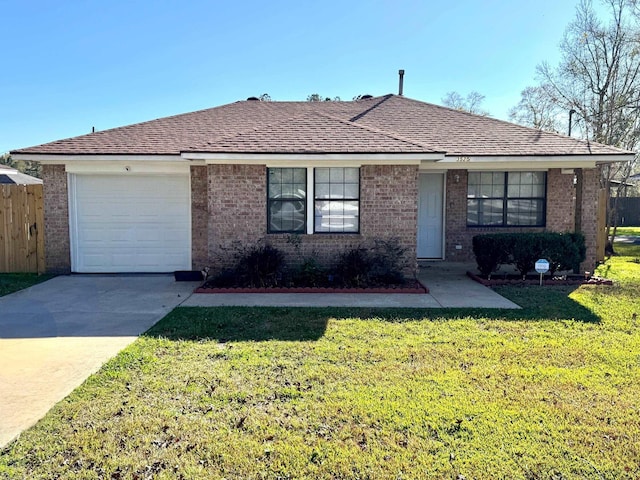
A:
[430, 225]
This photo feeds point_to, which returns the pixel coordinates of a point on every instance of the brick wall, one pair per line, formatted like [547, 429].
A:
[199, 215]
[237, 200]
[590, 187]
[560, 201]
[56, 219]
[560, 213]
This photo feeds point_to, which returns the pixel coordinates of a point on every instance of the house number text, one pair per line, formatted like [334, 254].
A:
[464, 159]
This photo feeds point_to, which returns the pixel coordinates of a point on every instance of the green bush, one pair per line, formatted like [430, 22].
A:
[262, 266]
[380, 262]
[565, 251]
[310, 274]
[491, 251]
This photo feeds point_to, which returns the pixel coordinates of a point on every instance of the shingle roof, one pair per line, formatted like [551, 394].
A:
[387, 124]
[9, 175]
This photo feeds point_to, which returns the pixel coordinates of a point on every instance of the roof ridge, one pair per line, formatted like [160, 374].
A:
[379, 131]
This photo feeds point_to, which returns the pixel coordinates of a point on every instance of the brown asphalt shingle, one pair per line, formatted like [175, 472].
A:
[388, 124]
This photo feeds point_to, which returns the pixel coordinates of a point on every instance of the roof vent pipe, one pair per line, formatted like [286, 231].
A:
[401, 73]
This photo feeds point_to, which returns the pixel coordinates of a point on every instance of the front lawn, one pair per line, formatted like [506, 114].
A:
[550, 391]
[12, 282]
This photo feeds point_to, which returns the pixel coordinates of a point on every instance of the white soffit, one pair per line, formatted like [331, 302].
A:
[298, 159]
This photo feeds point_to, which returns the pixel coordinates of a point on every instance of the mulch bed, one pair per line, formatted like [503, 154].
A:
[535, 280]
[412, 286]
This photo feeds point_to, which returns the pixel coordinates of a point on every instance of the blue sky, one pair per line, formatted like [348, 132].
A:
[70, 65]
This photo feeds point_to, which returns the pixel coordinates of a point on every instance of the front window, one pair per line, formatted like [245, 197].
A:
[506, 199]
[337, 200]
[287, 200]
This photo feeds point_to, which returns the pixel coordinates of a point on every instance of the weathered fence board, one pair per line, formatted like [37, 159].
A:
[21, 228]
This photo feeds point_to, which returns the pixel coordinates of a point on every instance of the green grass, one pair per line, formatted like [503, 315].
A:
[12, 282]
[634, 231]
[549, 391]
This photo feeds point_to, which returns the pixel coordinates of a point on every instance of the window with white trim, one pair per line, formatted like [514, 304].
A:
[505, 199]
[286, 200]
[337, 200]
[334, 197]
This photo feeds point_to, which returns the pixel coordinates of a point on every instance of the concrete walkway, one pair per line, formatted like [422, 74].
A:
[449, 287]
[55, 334]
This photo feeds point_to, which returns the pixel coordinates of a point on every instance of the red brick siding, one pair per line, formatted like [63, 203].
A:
[56, 219]
[199, 215]
[238, 210]
[560, 201]
[560, 213]
[237, 199]
[590, 187]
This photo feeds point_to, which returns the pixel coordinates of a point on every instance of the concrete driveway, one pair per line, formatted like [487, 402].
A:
[55, 334]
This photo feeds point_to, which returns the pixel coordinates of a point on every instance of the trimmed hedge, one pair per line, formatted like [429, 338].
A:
[565, 251]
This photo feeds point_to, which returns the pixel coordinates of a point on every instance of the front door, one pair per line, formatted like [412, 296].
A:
[430, 225]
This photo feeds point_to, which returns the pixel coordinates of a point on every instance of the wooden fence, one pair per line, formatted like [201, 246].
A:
[21, 228]
[628, 214]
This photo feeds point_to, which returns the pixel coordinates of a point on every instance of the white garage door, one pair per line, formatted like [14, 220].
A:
[129, 223]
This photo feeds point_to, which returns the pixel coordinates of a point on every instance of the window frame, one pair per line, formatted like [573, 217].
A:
[273, 201]
[310, 227]
[344, 199]
[505, 201]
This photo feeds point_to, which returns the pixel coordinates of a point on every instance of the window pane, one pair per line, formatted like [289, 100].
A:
[322, 190]
[351, 190]
[352, 175]
[337, 190]
[485, 191]
[486, 178]
[484, 212]
[513, 191]
[473, 178]
[537, 191]
[286, 208]
[275, 191]
[300, 175]
[286, 216]
[336, 216]
[525, 191]
[331, 212]
[525, 212]
[336, 175]
[322, 175]
[472, 212]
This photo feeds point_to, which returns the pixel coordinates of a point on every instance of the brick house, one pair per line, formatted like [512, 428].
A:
[176, 193]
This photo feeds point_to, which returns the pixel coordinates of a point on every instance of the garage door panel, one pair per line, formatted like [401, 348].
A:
[132, 223]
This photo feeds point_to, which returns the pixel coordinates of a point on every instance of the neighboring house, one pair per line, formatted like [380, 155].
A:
[11, 176]
[312, 178]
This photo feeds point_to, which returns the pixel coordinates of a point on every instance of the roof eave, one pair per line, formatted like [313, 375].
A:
[363, 158]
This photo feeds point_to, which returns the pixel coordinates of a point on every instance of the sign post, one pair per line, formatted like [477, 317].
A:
[542, 267]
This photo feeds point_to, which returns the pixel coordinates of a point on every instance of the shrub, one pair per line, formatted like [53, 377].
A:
[381, 261]
[310, 274]
[354, 266]
[261, 266]
[526, 248]
[490, 250]
[564, 251]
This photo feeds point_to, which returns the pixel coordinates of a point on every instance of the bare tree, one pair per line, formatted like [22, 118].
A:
[598, 76]
[472, 103]
[536, 109]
